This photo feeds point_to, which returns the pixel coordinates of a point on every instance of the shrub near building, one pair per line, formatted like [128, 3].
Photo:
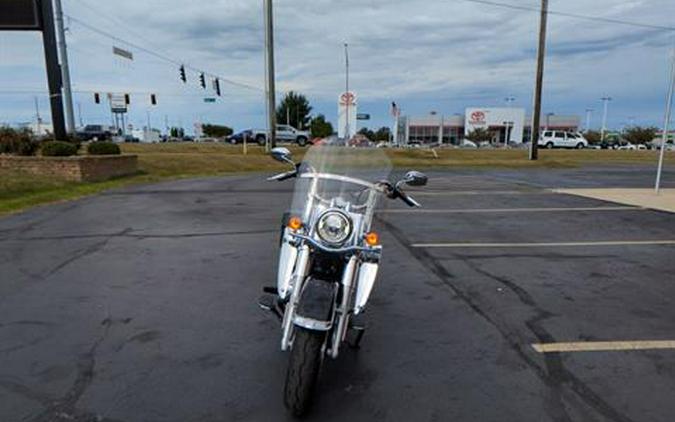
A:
[103, 148]
[58, 149]
[17, 142]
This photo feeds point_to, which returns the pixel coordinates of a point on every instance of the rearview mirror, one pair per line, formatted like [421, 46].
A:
[415, 178]
[282, 154]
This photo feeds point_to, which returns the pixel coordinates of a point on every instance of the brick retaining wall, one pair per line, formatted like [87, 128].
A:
[78, 169]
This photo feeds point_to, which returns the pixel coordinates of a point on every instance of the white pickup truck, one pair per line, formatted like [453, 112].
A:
[285, 133]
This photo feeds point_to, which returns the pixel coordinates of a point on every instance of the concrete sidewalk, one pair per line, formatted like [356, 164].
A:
[645, 198]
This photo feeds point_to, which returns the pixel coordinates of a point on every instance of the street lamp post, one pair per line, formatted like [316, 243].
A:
[606, 101]
[347, 91]
[589, 114]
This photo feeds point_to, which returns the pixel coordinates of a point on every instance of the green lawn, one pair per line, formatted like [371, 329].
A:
[173, 161]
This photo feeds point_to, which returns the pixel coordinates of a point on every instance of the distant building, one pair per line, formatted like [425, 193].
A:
[504, 123]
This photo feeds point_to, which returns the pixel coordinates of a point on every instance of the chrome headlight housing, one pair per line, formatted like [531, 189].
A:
[334, 227]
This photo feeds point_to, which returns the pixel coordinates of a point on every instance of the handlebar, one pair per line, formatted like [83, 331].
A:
[391, 191]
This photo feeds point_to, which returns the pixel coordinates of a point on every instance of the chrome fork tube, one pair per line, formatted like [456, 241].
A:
[345, 306]
[296, 290]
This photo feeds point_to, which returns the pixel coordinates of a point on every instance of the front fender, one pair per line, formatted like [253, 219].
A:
[316, 306]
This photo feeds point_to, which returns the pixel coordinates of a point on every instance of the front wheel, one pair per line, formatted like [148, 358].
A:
[260, 139]
[549, 145]
[580, 146]
[302, 141]
[303, 370]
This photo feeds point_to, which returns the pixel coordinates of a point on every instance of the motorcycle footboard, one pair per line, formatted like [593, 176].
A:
[316, 307]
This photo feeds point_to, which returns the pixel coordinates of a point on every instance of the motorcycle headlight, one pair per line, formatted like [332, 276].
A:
[334, 227]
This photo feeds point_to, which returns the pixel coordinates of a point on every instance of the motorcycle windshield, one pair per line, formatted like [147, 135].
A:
[330, 175]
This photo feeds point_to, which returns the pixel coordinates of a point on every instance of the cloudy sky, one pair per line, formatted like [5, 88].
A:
[431, 55]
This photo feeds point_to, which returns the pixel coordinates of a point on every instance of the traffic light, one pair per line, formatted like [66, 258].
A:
[153, 99]
[127, 99]
[183, 76]
[216, 85]
[97, 98]
[202, 80]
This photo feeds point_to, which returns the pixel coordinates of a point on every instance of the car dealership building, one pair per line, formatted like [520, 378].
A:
[505, 124]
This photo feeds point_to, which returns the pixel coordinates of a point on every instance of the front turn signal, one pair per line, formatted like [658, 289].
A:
[372, 239]
[294, 223]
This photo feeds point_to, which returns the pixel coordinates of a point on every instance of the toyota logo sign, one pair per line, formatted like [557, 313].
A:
[478, 117]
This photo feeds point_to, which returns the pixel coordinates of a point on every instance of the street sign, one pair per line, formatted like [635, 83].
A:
[118, 103]
[209, 100]
[123, 53]
[20, 15]
[363, 116]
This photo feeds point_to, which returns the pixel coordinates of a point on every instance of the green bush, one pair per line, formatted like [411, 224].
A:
[103, 148]
[17, 142]
[58, 149]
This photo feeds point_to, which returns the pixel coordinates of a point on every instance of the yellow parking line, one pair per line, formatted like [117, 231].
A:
[604, 346]
[544, 244]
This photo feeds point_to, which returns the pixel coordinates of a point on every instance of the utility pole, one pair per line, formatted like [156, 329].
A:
[65, 69]
[269, 61]
[79, 113]
[589, 114]
[666, 125]
[541, 54]
[606, 101]
[347, 90]
[38, 118]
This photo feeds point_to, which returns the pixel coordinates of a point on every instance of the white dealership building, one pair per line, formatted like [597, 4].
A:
[505, 124]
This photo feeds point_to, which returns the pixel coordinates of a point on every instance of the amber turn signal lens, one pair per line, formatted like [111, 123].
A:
[372, 239]
[294, 223]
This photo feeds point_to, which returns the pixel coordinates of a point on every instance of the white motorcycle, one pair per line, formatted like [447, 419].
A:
[329, 256]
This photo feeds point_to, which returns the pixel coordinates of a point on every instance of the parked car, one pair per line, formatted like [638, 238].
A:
[625, 146]
[285, 133]
[560, 139]
[96, 133]
[469, 144]
[238, 138]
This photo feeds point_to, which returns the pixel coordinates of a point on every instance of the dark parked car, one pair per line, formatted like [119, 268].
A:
[238, 138]
[96, 133]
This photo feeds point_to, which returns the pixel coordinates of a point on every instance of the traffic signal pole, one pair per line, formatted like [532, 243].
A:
[541, 54]
[65, 68]
[53, 69]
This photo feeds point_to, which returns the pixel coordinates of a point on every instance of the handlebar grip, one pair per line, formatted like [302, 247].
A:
[408, 200]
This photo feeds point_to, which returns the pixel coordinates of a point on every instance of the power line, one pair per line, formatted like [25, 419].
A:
[160, 55]
[573, 15]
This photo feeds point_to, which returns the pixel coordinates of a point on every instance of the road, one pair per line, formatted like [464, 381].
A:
[140, 305]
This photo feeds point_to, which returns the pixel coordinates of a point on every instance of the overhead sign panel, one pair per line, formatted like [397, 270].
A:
[121, 52]
[19, 15]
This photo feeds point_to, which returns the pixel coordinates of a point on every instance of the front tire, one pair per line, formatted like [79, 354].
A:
[303, 370]
[580, 146]
[549, 145]
[302, 141]
[260, 139]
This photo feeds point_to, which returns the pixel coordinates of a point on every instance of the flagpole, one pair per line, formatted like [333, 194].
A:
[664, 138]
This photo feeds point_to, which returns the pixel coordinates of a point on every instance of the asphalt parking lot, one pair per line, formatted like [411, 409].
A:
[141, 305]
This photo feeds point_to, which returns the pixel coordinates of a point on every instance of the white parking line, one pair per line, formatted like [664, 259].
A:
[510, 210]
[480, 192]
[544, 244]
[603, 346]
